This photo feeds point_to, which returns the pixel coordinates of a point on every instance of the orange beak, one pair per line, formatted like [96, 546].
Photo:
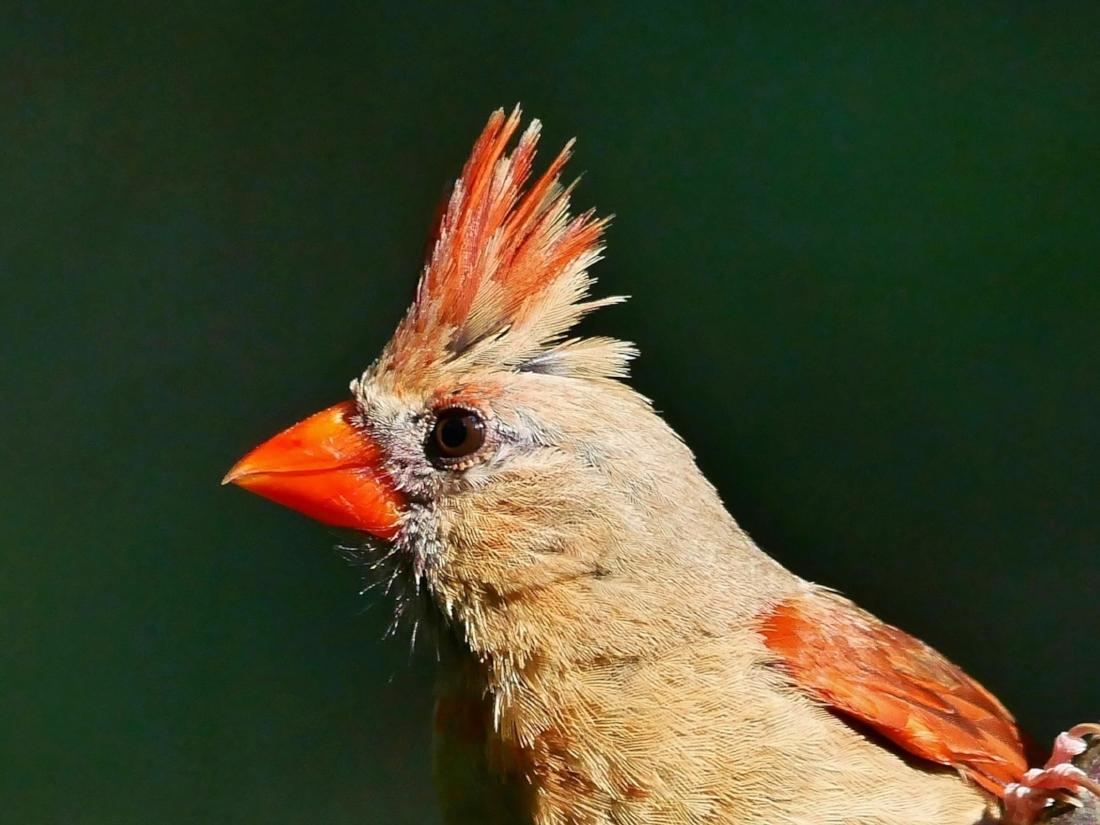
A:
[327, 469]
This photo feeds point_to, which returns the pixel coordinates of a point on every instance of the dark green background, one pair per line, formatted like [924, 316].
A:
[863, 244]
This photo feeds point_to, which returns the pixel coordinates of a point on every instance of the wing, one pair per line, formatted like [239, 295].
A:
[905, 690]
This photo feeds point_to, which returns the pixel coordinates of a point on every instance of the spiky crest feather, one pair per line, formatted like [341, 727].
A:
[507, 276]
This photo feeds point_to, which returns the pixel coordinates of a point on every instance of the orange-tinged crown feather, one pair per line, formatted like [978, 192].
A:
[507, 275]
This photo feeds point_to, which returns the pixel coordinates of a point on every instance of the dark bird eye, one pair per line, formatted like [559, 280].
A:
[457, 433]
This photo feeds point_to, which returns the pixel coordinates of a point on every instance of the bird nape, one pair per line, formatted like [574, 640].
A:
[618, 650]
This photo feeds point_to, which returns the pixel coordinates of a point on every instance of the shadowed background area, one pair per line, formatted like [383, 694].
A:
[863, 245]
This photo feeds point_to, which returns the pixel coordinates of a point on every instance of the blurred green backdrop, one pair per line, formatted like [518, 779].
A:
[863, 244]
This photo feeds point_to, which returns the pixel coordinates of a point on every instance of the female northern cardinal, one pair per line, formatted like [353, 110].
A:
[620, 651]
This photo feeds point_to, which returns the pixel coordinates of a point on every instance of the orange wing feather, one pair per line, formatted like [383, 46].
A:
[897, 685]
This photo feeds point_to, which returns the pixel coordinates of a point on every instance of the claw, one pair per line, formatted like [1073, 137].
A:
[1083, 730]
[1057, 781]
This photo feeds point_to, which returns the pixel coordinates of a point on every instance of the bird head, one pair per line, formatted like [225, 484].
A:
[485, 448]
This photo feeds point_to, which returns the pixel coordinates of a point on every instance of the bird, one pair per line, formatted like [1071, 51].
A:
[615, 648]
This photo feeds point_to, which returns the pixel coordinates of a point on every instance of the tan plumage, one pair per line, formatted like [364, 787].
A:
[617, 649]
[605, 599]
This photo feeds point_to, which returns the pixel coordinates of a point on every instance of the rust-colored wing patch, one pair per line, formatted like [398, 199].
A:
[905, 690]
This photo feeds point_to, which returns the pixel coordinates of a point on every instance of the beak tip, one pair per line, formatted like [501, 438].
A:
[235, 472]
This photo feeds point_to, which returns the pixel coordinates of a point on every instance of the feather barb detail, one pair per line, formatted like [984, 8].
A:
[507, 275]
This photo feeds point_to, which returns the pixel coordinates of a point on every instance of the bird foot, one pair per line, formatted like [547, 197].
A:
[1060, 780]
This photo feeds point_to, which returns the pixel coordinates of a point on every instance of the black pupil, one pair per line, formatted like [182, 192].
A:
[453, 432]
[457, 434]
